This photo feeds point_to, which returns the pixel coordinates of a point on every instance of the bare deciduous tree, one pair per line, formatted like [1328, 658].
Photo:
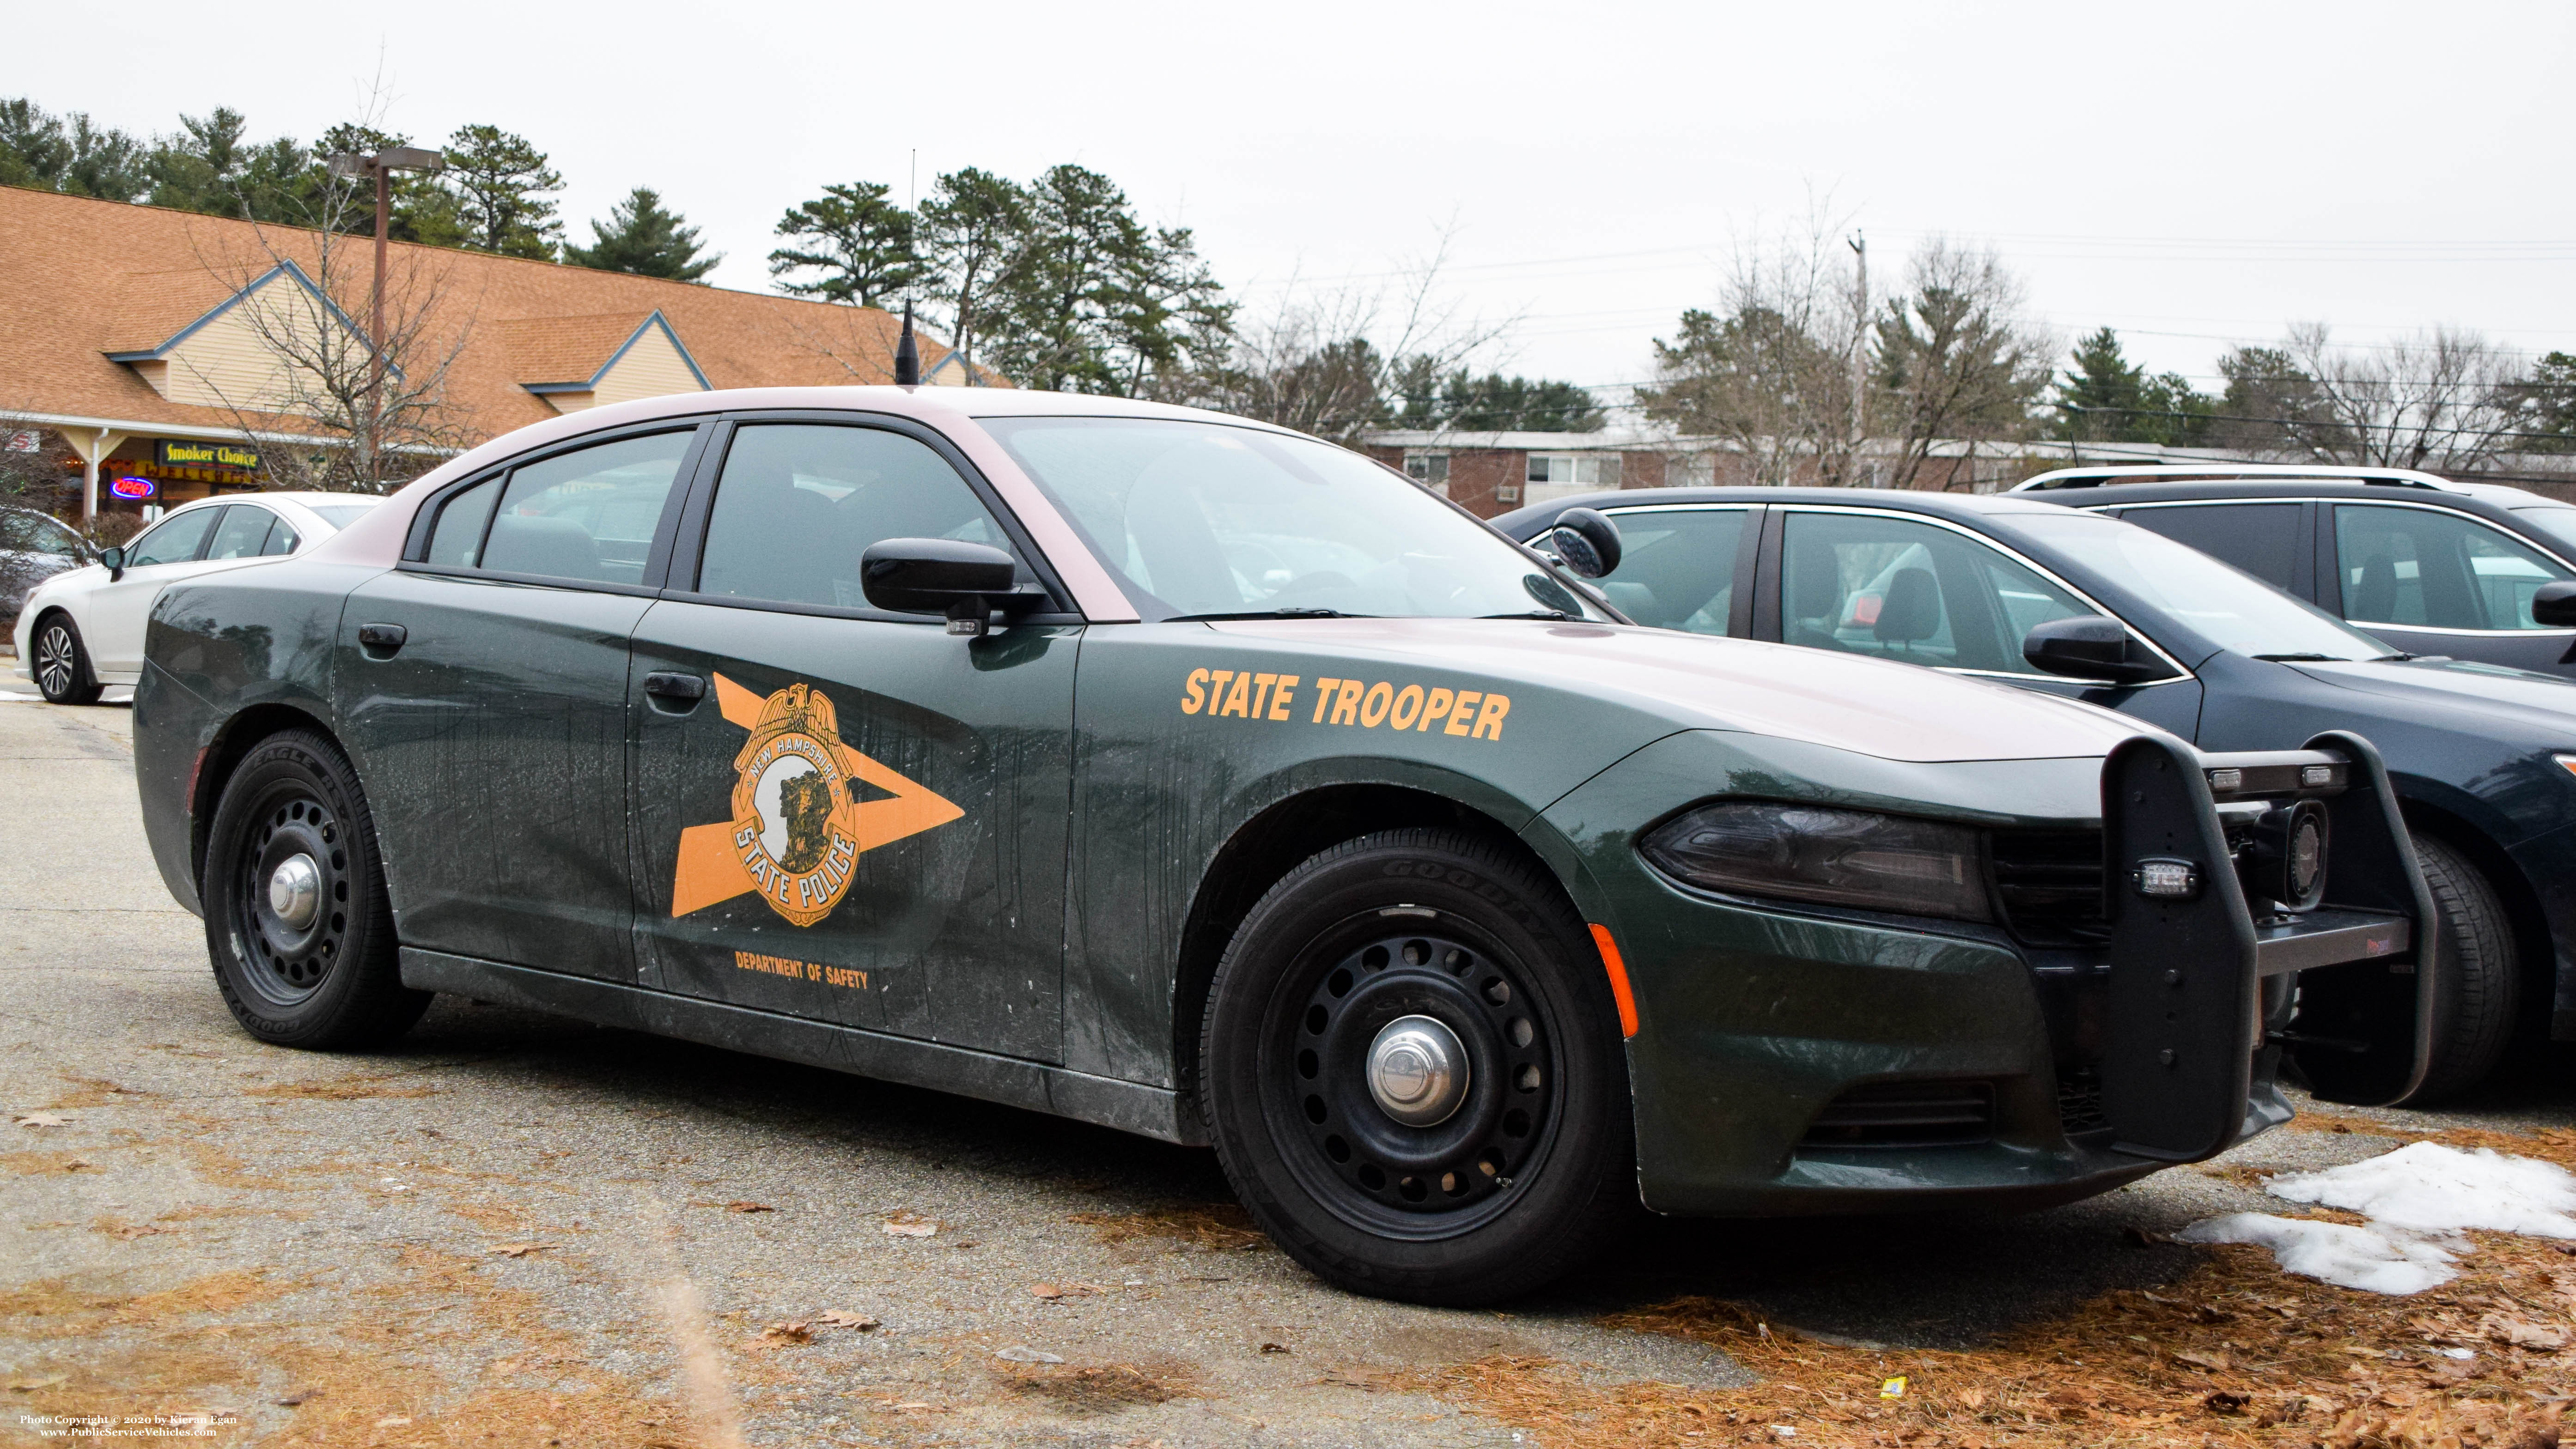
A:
[337, 409]
[1335, 362]
[1773, 376]
[2446, 400]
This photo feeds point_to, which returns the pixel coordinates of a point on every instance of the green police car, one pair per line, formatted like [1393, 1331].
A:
[1187, 775]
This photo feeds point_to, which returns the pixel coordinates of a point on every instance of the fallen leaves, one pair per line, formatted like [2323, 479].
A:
[837, 1318]
[43, 1119]
[910, 1224]
[746, 1205]
[1217, 1227]
[787, 1333]
[520, 1250]
[2523, 1333]
[42, 1382]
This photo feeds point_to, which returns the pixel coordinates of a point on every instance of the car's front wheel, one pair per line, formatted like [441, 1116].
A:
[1412, 1071]
[2480, 986]
[60, 663]
[297, 919]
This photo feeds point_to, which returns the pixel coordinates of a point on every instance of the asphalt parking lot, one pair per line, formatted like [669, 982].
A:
[518, 1229]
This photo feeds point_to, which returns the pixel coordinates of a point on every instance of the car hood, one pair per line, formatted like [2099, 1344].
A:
[1868, 706]
[2544, 702]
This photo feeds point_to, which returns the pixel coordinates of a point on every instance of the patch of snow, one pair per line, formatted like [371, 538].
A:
[2430, 1188]
[2397, 1263]
[2419, 1199]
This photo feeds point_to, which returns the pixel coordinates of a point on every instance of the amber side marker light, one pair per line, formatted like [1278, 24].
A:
[1618, 970]
[2568, 760]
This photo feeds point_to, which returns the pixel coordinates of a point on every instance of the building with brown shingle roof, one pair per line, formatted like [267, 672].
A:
[124, 328]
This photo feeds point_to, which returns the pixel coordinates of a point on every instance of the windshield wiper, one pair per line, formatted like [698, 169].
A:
[2304, 658]
[1530, 614]
[1291, 612]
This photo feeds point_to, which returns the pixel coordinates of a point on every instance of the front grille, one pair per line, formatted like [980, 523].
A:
[2079, 1100]
[2048, 886]
[1907, 1114]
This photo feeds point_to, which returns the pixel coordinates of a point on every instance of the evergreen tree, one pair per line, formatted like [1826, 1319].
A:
[2547, 405]
[501, 183]
[2106, 398]
[862, 244]
[968, 231]
[644, 238]
[2271, 404]
[1496, 403]
[1094, 301]
[69, 154]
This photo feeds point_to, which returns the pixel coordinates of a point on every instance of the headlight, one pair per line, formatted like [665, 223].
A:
[1839, 857]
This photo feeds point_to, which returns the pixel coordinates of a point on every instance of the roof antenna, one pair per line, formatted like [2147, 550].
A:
[907, 354]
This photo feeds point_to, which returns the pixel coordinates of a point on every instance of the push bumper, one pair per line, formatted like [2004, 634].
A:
[1790, 1060]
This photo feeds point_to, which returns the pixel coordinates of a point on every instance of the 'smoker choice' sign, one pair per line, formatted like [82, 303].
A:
[172, 454]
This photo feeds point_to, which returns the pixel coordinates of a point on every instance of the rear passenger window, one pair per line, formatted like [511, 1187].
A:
[798, 503]
[457, 541]
[588, 515]
[242, 534]
[1676, 567]
[2435, 569]
[2260, 538]
[281, 540]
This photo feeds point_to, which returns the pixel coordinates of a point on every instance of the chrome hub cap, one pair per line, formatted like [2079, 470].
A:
[295, 891]
[1417, 1071]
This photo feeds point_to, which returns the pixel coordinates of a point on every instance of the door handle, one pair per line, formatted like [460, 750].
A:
[678, 688]
[382, 641]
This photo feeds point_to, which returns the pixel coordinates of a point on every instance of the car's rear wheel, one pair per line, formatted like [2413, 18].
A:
[2480, 987]
[297, 920]
[60, 662]
[1412, 1072]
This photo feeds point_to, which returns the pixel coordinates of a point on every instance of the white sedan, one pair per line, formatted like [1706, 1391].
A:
[83, 630]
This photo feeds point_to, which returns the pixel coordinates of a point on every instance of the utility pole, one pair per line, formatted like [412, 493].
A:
[381, 165]
[1859, 244]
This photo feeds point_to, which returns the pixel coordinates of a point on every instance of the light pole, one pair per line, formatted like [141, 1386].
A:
[381, 165]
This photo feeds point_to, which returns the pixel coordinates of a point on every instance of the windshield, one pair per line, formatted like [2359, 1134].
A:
[1201, 519]
[340, 515]
[2558, 523]
[2233, 610]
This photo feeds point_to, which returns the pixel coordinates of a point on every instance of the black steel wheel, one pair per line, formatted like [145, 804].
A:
[297, 920]
[1412, 1073]
[60, 663]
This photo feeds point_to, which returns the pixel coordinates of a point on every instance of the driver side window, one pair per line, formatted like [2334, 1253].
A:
[174, 540]
[1911, 591]
[798, 503]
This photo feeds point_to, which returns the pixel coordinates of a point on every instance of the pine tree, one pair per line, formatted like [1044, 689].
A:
[2107, 398]
[968, 231]
[69, 154]
[642, 237]
[501, 184]
[1496, 403]
[861, 243]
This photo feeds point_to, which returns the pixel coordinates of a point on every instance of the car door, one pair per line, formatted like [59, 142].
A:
[2434, 581]
[841, 813]
[1683, 566]
[2267, 538]
[1922, 591]
[482, 688]
[115, 610]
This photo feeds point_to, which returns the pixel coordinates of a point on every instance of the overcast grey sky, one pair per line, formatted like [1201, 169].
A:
[2191, 174]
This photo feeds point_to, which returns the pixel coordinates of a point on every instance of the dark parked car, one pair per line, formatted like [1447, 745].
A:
[2015, 588]
[2430, 566]
[34, 547]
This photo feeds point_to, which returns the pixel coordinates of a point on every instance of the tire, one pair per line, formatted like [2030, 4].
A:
[1533, 1167]
[59, 662]
[2473, 1017]
[318, 969]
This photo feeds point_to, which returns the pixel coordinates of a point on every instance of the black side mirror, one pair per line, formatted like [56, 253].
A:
[1586, 540]
[2088, 647]
[964, 581]
[2553, 606]
[114, 558]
